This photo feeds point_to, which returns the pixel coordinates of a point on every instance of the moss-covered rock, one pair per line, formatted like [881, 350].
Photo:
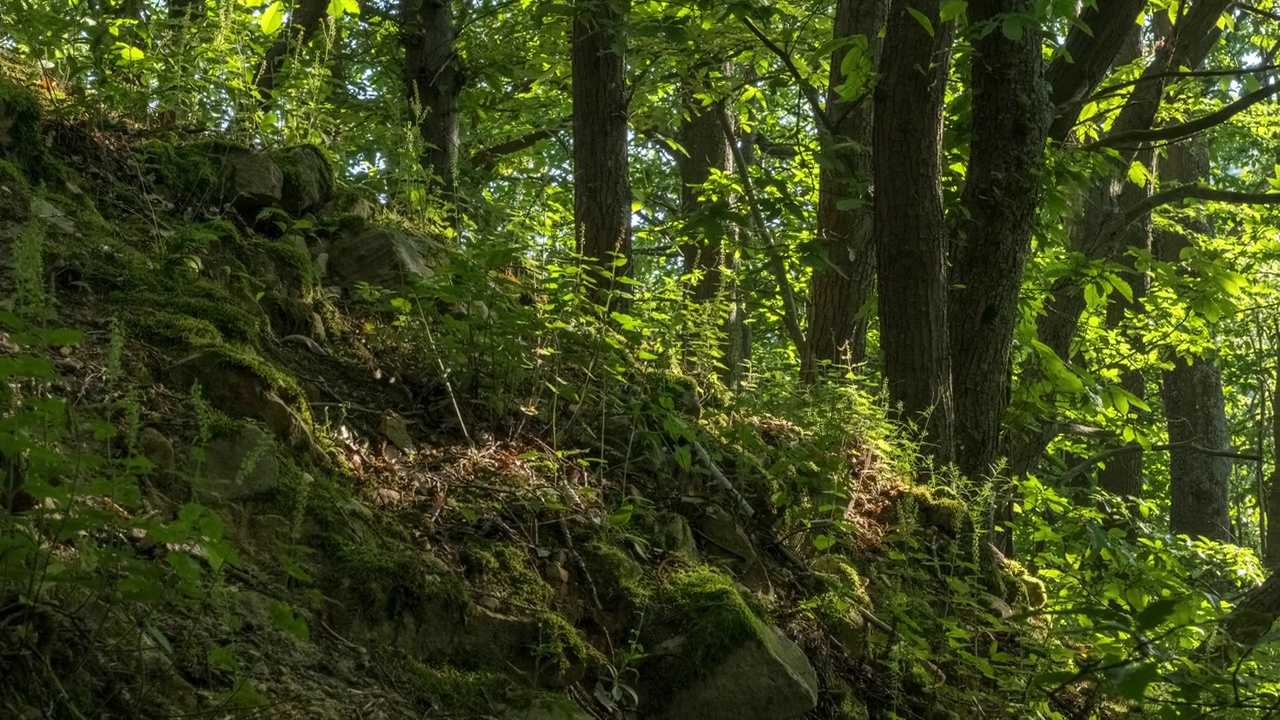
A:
[307, 179]
[15, 196]
[711, 656]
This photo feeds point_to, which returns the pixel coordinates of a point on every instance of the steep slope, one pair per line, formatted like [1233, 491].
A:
[271, 450]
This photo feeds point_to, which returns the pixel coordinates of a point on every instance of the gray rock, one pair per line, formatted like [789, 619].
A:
[155, 447]
[250, 181]
[765, 679]
[241, 465]
[234, 389]
[378, 256]
[308, 181]
[393, 428]
[728, 542]
[676, 537]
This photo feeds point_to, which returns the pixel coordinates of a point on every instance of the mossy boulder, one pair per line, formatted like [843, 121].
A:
[243, 385]
[711, 656]
[307, 179]
[250, 181]
[379, 256]
[15, 199]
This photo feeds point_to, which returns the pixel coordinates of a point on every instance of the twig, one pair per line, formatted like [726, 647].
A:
[704, 457]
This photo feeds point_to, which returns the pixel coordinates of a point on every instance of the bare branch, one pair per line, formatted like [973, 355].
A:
[487, 158]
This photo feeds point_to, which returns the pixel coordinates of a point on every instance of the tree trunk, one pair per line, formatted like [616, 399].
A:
[837, 331]
[1122, 475]
[1010, 126]
[303, 23]
[909, 228]
[1273, 481]
[433, 81]
[703, 138]
[601, 185]
[1199, 484]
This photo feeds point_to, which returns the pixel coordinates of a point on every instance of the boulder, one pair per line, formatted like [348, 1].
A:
[713, 658]
[156, 448]
[766, 678]
[240, 465]
[307, 180]
[250, 181]
[377, 256]
[726, 541]
[235, 388]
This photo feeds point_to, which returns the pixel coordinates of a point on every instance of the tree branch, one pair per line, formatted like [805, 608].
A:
[1083, 466]
[1193, 191]
[1109, 90]
[487, 158]
[1185, 130]
[806, 88]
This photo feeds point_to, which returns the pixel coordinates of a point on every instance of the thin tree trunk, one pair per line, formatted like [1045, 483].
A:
[707, 148]
[1123, 476]
[601, 183]
[837, 331]
[1199, 484]
[433, 81]
[909, 227]
[303, 22]
[1273, 481]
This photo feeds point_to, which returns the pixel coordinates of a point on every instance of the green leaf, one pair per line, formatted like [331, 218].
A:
[1155, 613]
[272, 18]
[130, 53]
[1138, 173]
[1012, 28]
[952, 10]
[622, 515]
[824, 542]
[922, 19]
[1131, 682]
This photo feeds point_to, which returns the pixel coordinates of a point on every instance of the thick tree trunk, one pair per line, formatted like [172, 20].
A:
[1199, 484]
[909, 228]
[837, 332]
[303, 23]
[601, 184]
[433, 81]
[1010, 126]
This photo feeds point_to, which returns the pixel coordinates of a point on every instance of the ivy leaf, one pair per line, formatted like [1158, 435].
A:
[272, 18]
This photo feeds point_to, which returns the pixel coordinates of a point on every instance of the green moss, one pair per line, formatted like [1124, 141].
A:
[505, 571]
[620, 581]
[189, 171]
[292, 263]
[15, 193]
[21, 139]
[450, 691]
[1017, 586]
[703, 606]
[562, 646]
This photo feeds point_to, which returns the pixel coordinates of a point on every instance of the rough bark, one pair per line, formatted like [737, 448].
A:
[1255, 613]
[433, 81]
[909, 227]
[1199, 484]
[601, 185]
[836, 331]
[303, 23]
[989, 252]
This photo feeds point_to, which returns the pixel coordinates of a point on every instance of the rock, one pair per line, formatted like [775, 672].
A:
[250, 181]
[156, 448]
[241, 465]
[321, 265]
[387, 496]
[556, 574]
[768, 678]
[378, 256]
[548, 709]
[234, 388]
[675, 536]
[393, 428]
[711, 657]
[307, 180]
[726, 540]
[52, 216]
